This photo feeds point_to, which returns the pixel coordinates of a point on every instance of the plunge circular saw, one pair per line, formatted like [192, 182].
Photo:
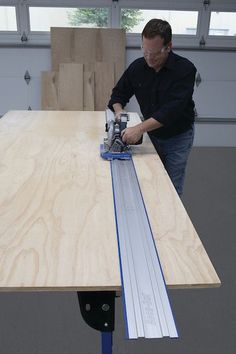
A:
[113, 147]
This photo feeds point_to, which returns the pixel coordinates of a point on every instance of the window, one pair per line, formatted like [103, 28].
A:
[42, 18]
[8, 18]
[222, 24]
[182, 22]
[191, 21]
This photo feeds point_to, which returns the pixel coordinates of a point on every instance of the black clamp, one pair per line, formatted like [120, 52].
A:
[98, 309]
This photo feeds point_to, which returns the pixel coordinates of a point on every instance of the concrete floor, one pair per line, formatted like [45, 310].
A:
[50, 323]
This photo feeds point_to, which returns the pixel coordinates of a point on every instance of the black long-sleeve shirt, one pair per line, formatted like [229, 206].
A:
[165, 95]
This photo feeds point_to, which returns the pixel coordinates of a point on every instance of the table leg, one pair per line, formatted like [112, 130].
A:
[106, 342]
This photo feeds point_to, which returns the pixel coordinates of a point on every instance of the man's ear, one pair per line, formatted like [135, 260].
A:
[169, 47]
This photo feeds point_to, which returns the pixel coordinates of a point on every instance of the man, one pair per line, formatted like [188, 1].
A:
[162, 83]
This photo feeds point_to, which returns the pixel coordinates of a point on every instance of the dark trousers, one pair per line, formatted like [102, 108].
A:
[174, 154]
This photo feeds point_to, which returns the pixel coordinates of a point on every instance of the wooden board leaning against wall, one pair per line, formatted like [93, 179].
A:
[101, 52]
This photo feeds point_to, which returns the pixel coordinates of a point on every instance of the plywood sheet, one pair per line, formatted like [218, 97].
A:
[104, 83]
[49, 90]
[57, 225]
[55, 200]
[70, 86]
[88, 45]
[88, 87]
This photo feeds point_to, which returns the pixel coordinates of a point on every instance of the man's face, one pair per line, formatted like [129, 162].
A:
[154, 51]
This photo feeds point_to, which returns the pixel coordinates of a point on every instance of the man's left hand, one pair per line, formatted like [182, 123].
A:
[132, 135]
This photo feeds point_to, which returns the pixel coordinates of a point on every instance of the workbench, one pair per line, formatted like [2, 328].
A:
[57, 225]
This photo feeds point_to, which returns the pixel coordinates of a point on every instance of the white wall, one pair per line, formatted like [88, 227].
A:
[14, 92]
[215, 97]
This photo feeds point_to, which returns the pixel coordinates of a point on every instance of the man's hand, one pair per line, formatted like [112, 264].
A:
[118, 114]
[118, 109]
[132, 135]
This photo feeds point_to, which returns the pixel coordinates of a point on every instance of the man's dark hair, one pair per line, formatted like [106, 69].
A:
[157, 27]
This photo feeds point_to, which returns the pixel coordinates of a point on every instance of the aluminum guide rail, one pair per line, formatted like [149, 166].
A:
[147, 306]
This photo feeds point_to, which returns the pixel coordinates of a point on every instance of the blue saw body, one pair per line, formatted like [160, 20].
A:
[109, 155]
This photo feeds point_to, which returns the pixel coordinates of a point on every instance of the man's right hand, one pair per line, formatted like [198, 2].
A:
[118, 109]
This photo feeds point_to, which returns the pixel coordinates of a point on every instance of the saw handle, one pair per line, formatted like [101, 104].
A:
[140, 141]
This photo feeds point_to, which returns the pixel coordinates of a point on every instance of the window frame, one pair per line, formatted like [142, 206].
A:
[220, 41]
[12, 31]
[114, 8]
[41, 37]
[32, 33]
[11, 36]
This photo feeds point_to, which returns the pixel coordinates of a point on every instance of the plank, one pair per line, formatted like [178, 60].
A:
[57, 226]
[49, 90]
[88, 45]
[88, 87]
[70, 86]
[62, 42]
[104, 83]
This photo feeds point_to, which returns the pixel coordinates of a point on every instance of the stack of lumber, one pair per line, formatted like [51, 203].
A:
[86, 63]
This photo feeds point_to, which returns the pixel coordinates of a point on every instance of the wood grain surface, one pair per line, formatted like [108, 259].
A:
[104, 83]
[57, 226]
[78, 86]
[49, 90]
[88, 87]
[70, 87]
[85, 45]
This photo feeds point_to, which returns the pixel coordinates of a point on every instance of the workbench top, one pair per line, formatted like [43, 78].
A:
[57, 225]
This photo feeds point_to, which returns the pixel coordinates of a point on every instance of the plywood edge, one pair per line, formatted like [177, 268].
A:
[61, 288]
[194, 286]
[117, 288]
